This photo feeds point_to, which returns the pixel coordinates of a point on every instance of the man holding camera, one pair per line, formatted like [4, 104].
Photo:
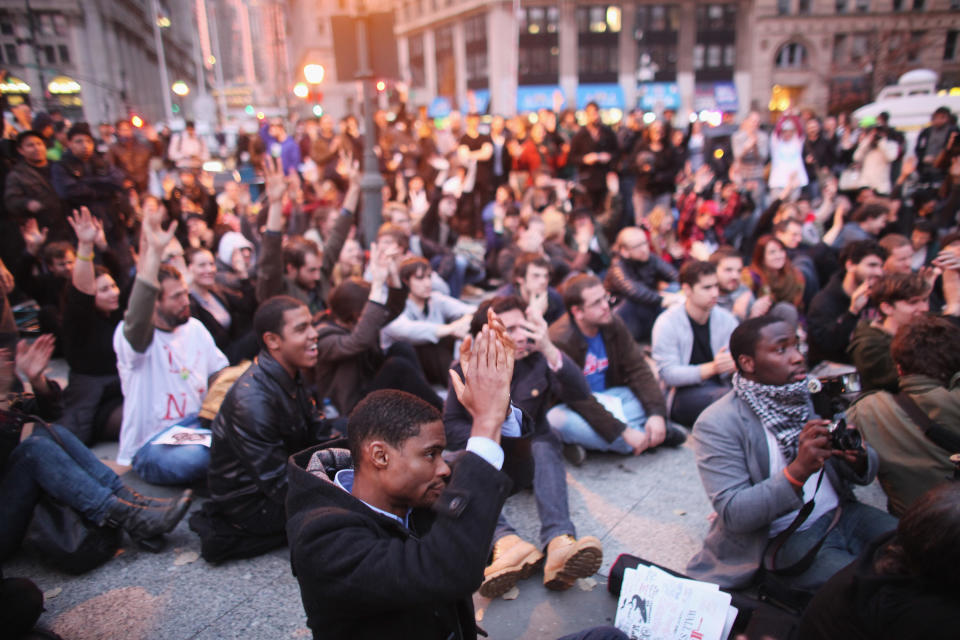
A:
[762, 454]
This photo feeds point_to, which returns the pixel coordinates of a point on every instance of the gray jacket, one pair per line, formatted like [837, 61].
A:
[734, 463]
[672, 343]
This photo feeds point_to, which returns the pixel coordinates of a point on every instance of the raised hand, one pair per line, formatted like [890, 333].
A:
[33, 237]
[32, 359]
[275, 183]
[484, 389]
[152, 231]
[87, 226]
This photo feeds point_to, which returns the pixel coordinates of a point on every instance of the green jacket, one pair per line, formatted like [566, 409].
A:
[910, 463]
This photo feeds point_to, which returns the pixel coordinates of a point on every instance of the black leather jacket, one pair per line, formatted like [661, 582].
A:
[637, 281]
[265, 417]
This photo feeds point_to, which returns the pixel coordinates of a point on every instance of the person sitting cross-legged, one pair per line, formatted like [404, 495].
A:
[626, 411]
[533, 459]
[266, 416]
[166, 360]
[690, 344]
[430, 321]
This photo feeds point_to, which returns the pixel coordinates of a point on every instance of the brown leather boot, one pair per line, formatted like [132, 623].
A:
[569, 559]
[513, 559]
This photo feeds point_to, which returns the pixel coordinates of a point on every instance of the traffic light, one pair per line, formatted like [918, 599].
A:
[136, 121]
[317, 110]
[249, 110]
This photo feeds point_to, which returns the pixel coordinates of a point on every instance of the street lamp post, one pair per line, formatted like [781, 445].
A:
[371, 183]
[162, 59]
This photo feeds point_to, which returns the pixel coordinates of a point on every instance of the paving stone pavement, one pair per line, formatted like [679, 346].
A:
[652, 505]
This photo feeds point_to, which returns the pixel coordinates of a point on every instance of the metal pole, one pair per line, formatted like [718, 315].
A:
[32, 23]
[162, 59]
[218, 66]
[371, 182]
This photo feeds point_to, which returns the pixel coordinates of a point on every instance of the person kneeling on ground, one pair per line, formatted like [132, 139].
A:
[625, 413]
[266, 416]
[762, 453]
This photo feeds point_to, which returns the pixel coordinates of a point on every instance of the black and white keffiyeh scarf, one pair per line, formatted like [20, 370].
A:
[782, 409]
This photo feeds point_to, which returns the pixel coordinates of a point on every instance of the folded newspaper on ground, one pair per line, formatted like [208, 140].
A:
[185, 435]
[655, 605]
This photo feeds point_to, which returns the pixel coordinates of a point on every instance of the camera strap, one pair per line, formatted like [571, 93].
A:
[774, 546]
[937, 434]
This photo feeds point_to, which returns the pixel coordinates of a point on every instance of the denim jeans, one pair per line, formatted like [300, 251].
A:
[859, 525]
[172, 463]
[549, 490]
[573, 429]
[70, 473]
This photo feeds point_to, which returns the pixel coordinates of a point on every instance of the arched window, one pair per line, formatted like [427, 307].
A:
[792, 55]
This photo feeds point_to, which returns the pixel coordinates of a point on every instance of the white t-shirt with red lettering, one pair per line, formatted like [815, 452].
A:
[165, 383]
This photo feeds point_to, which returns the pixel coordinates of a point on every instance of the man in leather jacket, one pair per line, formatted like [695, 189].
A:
[265, 417]
[634, 279]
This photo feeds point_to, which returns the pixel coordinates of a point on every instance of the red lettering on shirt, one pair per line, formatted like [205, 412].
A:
[591, 365]
[180, 410]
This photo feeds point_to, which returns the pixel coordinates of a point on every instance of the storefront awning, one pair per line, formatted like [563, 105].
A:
[440, 107]
[607, 96]
[534, 97]
[14, 85]
[477, 100]
[658, 96]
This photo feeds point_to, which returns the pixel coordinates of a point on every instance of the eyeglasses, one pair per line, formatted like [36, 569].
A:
[599, 301]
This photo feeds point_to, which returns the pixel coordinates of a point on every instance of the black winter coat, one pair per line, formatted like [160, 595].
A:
[265, 417]
[364, 575]
[637, 281]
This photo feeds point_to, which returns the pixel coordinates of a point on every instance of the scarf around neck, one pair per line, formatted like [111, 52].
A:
[782, 409]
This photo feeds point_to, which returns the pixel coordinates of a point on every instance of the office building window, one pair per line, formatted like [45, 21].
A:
[792, 55]
[839, 48]
[950, 46]
[446, 69]
[539, 54]
[783, 7]
[916, 46]
[656, 31]
[599, 42]
[475, 37]
[842, 7]
[863, 6]
[919, 5]
[716, 26]
[418, 73]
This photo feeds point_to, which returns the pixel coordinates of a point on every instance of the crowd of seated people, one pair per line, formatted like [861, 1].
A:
[214, 332]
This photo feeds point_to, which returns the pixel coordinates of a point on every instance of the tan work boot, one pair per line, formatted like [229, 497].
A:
[513, 559]
[569, 559]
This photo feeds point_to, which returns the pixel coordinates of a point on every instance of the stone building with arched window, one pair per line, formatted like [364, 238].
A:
[832, 55]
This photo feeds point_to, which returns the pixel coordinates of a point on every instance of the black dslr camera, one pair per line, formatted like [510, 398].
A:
[832, 395]
[842, 438]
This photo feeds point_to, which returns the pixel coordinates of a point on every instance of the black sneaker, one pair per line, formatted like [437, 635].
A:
[675, 436]
[575, 454]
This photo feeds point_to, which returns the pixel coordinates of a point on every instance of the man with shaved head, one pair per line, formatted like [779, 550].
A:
[635, 278]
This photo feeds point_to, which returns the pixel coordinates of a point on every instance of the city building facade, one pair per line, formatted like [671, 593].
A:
[837, 54]
[95, 60]
[498, 56]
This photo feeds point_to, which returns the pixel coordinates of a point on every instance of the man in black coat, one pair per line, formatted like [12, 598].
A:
[594, 151]
[266, 416]
[634, 278]
[394, 545]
